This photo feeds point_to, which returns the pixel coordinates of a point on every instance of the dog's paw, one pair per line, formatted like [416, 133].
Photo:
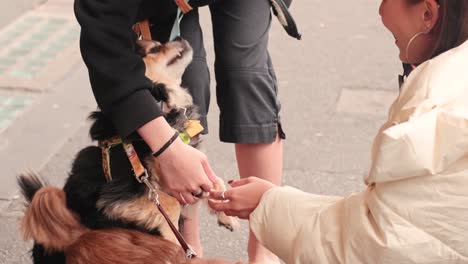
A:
[228, 222]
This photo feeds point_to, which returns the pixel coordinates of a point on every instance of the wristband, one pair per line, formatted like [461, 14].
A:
[165, 146]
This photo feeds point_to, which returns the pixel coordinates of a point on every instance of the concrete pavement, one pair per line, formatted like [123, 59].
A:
[335, 87]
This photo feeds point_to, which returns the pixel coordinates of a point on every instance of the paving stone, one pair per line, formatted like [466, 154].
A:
[12, 249]
[21, 74]
[7, 61]
[10, 107]
[46, 37]
[365, 101]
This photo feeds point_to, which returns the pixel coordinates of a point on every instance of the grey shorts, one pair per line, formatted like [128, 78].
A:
[246, 86]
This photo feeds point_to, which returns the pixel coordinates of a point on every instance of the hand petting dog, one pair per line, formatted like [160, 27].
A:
[176, 161]
[165, 64]
[242, 199]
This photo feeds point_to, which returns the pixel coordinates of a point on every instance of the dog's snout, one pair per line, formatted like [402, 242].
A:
[178, 38]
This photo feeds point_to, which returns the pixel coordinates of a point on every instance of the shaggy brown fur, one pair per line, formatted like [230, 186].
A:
[49, 221]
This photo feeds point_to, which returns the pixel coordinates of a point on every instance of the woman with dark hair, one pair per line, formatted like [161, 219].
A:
[415, 206]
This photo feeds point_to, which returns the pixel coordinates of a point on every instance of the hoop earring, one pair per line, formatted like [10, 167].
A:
[411, 42]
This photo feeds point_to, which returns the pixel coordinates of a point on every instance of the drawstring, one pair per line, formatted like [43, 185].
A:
[175, 32]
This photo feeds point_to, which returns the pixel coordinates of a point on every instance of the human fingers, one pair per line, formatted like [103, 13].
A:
[202, 193]
[231, 213]
[179, 197]
[206, 187]
[243, 214]
[221, 195]
[220, 205]
[199, 194]
[209, 171]
[188, 198]
[241, 182]
[199, 186]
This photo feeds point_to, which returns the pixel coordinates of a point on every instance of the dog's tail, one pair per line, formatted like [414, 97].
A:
[47, 219]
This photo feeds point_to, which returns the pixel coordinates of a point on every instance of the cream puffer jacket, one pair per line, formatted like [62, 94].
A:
[415, 207]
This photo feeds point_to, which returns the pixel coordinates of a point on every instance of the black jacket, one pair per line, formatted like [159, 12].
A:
[116, 72]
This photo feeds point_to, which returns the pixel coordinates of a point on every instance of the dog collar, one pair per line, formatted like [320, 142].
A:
[105, 146]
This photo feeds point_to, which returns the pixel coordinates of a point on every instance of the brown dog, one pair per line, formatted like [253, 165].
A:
[72, 223]
[51, 223]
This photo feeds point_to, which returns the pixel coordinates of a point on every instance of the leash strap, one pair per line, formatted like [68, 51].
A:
[143, 30]
[137, 167]
[184, 6]
[189, 252]
[105, 146]
[142, 176]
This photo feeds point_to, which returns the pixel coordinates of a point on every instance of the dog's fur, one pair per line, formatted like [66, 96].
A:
[95, 221]
[49, 222]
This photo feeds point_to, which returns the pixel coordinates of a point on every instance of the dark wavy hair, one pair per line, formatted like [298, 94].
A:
[451, 29]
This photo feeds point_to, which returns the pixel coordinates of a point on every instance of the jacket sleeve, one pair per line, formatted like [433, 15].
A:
[414, 213]
[284, 222]
[116, 72]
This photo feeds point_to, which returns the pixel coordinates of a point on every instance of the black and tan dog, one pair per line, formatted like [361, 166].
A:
[98, 220]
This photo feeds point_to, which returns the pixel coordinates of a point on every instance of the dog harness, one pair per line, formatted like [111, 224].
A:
[141, 175]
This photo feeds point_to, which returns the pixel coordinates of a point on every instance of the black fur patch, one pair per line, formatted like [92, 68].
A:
[41, 257]
[102, 127]
[159, 92]
[29, 184]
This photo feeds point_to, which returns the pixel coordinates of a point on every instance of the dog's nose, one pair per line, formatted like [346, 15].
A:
[178, 38]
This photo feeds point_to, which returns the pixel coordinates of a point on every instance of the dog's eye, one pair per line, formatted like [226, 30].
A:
[155, 49]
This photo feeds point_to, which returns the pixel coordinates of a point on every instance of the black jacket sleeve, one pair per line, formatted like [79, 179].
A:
[116, 72]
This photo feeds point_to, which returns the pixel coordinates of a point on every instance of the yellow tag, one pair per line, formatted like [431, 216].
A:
[194, 128]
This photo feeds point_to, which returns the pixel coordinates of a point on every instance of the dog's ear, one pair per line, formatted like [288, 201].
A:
[145, 47]
[159, 91]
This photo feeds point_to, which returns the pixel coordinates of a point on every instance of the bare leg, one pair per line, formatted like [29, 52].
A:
[190, 230]
[264, 161]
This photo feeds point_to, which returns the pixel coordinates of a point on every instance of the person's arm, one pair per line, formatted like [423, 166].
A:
[282, 218]
[287, 222]
[116, 72]
[122, 91]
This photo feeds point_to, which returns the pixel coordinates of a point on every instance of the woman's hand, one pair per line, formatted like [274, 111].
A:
[242, 199]
[185, 171]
